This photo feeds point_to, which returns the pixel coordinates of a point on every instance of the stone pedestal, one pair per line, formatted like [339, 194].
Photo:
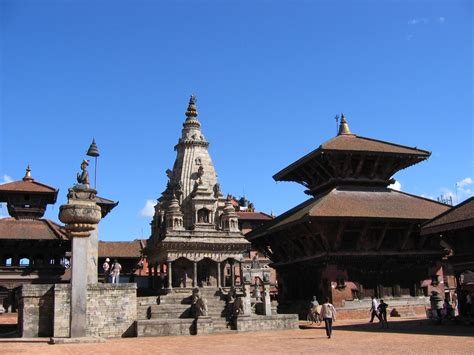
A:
[267, 304]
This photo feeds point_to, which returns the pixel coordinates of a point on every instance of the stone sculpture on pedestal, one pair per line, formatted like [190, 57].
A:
[81, 215]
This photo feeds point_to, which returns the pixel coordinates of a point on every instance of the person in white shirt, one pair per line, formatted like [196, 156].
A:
[374, 310]
[116, 268]
[328, 313]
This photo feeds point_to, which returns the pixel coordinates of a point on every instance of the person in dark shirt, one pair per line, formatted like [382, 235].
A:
[382, 308]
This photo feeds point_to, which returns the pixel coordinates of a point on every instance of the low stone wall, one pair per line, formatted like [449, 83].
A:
[163, 327]
[273, 322]
[404, 311]
[36, 311]
[111, 310]
[45, 310]
[204, 325]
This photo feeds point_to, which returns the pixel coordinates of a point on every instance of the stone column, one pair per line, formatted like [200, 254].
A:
[150, 276]
[232, 275]
[170, 275]
[81, 216]
[195, 278]
[219, 281]
[93, 256]
[267, 304]
[247, 304]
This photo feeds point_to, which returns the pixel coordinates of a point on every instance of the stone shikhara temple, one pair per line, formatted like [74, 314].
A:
[195, 230]
[355, 237]
[196, 241]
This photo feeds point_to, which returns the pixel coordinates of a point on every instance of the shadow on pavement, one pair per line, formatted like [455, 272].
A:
[411, 326]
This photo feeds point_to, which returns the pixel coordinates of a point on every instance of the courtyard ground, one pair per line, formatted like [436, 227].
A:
[404, 336]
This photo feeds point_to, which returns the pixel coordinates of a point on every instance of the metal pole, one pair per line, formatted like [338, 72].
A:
[95, 174]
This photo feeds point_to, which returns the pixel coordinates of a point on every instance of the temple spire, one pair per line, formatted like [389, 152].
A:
[191, 113]
[343, 126]
[27, 176]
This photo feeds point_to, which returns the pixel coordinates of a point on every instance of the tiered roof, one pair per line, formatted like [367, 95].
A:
[31, 229]
[350, 159]
[458, 217]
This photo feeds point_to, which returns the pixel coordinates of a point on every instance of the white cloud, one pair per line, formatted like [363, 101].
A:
[149, 209]
[464, 182]
[396, 186]
[419, 21]
[6, 179]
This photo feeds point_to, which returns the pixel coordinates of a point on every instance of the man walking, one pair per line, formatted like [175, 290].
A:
[382, 308]
[116, 268]
[374, 310]
[106, 268]
[328, 313]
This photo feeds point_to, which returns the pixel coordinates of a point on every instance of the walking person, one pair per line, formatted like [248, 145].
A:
[382, 308]
[116, 268]
[436, 304]
[328, 313]
[106, 268]
[374, 312]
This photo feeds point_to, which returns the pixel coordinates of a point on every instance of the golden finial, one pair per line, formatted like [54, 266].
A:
[343, 127]
[27, 176]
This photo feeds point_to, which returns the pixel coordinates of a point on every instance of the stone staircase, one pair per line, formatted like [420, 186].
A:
[175, 308]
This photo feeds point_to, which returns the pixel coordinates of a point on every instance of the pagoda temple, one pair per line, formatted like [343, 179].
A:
[195, 236]
[32, 248]
[355, 237]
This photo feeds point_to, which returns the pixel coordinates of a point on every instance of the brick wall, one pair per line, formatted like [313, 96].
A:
[111, 310]
[36, 311]
[45, 310]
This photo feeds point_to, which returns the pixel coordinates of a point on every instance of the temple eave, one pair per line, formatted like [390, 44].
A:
[363, 256]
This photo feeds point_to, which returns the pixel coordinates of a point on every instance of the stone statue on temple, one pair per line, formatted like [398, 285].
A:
[200, 173]
[83, 178]
[199, 305]
[217, 190]
[255, 262]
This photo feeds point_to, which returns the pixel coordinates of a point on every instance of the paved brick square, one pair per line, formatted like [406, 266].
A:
[404, 336]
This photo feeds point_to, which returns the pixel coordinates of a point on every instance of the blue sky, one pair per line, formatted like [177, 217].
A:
[269, 77]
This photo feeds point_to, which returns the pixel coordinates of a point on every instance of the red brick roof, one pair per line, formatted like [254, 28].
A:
[352, 142]
[370, 203]
[131, 249]
[27, 186]
[254, 216]
[458, 217]
[35, 229]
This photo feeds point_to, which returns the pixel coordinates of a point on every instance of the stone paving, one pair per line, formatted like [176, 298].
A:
[404, 336]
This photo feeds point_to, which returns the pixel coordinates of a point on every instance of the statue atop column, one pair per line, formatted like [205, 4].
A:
[83, 178]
